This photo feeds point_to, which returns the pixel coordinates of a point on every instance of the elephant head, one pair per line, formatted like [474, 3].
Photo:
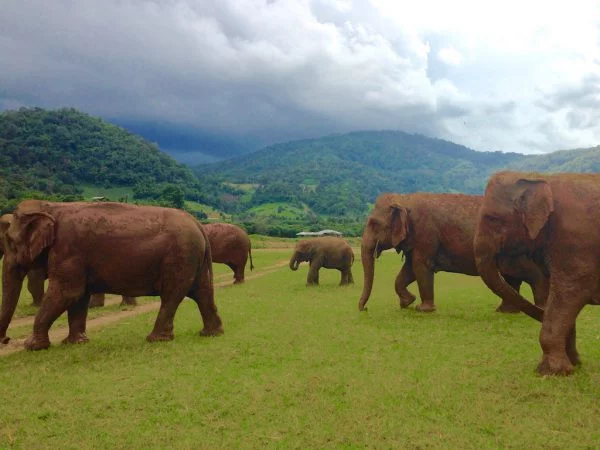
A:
[511, 222]
[387, 227]
[304, 251]
[25, 236]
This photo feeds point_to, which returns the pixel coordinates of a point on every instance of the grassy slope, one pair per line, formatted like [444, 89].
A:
[303, 368]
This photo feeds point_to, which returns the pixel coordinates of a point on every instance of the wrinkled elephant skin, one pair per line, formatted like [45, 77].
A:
[435, 232]
[106, 247]
[554, 220]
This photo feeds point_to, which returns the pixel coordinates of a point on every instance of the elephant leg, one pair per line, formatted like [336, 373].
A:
[35, 285]
[424, 277]
[344, 277]
[163, 326]
[238, 273]
[97, 300]
[127, 300]
[571, 344]
[204, 296]
[77, 315]
[313, 274]
[507, 306]
[403, 279]
[557, 337]
[350, 277]
[55, 302]
[540, 287]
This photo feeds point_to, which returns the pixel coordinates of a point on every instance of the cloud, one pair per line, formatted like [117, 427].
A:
[450, 55]
[264, 71]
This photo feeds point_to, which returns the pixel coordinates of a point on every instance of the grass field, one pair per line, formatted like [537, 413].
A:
[113, 193]
[300, 367]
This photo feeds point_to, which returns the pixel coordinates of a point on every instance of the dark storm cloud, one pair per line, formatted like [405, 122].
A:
[251, 72]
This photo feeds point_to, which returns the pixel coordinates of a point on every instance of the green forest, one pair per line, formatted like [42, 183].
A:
[329, 182]
[52, 154]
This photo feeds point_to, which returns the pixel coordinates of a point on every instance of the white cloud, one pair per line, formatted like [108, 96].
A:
[512, 75]
[450, 55]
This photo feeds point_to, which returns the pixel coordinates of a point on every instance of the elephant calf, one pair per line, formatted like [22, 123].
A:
[328, 252]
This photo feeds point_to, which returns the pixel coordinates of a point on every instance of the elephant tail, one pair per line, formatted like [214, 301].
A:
[250, 255]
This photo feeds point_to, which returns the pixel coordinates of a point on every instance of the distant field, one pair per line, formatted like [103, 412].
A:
[113, 193]
[300, 367]
[283, 210]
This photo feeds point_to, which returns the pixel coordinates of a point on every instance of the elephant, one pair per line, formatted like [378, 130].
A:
[552, 219]
[35, 277]
[328, 252]
[435, 232]
[97, 247]
[97, 300]
[230, 245]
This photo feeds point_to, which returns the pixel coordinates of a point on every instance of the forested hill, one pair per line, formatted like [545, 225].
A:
[586, 160]
[342, 173]
[54, 153]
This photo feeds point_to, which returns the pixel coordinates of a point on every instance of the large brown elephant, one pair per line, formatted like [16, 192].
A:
[35, 277]
[91, 248]
[230, 245]
[435, 232]
[327, 252]
[552, 219]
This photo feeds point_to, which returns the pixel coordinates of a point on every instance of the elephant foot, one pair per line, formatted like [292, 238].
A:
[574, 358]
[77, 338]
[4, 340]
[159, 337]
[555, 366]
[425, 307]
[212, 332]
[240, 281]
[36, 343]
[128, 301]
[507, 308]
[406, 301]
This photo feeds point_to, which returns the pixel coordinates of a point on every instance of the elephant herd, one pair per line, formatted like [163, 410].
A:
[535, 228]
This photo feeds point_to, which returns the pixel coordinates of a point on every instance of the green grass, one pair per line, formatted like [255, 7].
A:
[300, 367]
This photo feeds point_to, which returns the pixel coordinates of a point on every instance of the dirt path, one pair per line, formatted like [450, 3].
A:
[58, 334]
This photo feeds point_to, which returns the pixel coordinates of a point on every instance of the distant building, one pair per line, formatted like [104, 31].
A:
[320, 233]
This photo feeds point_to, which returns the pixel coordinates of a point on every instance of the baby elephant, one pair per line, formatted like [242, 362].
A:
[328, 252]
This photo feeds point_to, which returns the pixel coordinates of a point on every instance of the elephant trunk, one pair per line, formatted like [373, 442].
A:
[487, 266]
[12, 282]
[367, 255]
[294, 262]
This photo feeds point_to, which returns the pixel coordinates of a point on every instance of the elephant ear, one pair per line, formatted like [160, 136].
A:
[399, 225]
[535, 204]
[38, 232]
[5, 221]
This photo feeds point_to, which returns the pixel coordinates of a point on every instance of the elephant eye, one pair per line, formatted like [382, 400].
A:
[494, 219]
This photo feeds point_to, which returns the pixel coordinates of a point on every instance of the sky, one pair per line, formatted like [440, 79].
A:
[208, 75]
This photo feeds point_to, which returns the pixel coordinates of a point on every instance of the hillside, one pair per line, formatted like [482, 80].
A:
[586, 160]
[341, 174]
[282, 189]
[53, 154]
